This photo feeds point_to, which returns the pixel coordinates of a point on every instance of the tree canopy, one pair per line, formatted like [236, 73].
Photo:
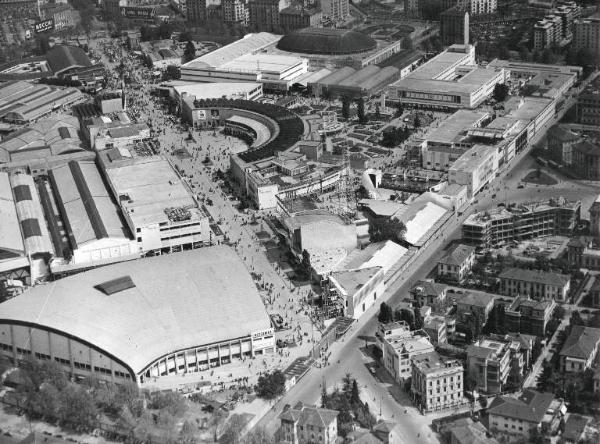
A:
[386, 229]
[271, 385]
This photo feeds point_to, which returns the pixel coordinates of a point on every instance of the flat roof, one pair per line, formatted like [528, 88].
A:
[148, 186]
[472, 158]
[261, 63]
[527, 108]
[215, 90]
[351, 281]
[179, 301]
[246, 45]
[451, 128]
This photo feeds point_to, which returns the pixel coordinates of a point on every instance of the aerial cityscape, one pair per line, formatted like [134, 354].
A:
[300, 221]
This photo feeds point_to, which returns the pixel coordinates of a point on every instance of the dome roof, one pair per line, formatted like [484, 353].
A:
[326, 41]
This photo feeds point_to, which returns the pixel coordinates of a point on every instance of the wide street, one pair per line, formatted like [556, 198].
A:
[346, 355]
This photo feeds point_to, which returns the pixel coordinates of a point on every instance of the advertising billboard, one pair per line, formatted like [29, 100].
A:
[138, 12]
[43, 26]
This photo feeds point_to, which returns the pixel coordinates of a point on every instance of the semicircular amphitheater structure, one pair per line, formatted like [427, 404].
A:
[149, 320]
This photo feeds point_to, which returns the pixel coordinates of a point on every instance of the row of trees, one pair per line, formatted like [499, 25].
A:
[394, 136]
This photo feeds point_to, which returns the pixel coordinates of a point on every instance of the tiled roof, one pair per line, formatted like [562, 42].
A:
[530, 406]
[429, 288]
[575, 426]
[581, 342]
[457, 255]
[535, 276]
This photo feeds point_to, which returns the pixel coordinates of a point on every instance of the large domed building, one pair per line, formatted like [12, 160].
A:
[326, 41]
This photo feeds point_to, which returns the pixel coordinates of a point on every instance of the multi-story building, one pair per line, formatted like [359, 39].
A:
[525, 315]
[478, 7]
[475, 303]
[427, 292]
[588, 102]
[309, 425]
[538, 284]
[454, 26]
[586, 159]
[559, 142]
[436, 328]
[547, 32]
[293, 18]
[236, 11]
[196, 11]
[524, 221]
[475, 168]
[595, 218]
[568, 12]
[488, 363]
[400, 347]
[264, 14]
[436, 384]
[580, 349]
[586, 34]
[456, 263]
[335, 10]
[530, 411]
[557, 27]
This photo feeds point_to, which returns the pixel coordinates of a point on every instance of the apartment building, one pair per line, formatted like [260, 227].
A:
[335, 10]
[456, 263]
[400, 348]
[525, 315]
[586, 34]
[264, 14]
[474, 303]
[428, 292]
[588, 102]
[236, 11]
[309, 425]
[523, 221]
[547, 32]
[436, 384]
[536, 284]
[294, 17]
[488, 363]
[436, 328]
[196, 11]
[580, 349]
[519, 416]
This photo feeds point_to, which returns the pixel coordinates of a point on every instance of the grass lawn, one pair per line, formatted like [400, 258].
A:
[539, 178]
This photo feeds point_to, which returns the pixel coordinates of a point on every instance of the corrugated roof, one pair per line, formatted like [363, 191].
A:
[184, 300]
[11, 242]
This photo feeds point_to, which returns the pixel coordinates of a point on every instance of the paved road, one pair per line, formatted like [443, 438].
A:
[347, 357]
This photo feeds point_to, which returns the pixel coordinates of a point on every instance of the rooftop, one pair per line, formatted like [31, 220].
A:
[477, 298]
[451, 129]
[203, 91]
[429, 288]
[85, 203]
[531, 406]
[249, 44]
[457, 255]
[431, 362]
[147, 187]
[420, 218]
[581, 342]
[183, 300]
[536, 276]
[326, 41]
[62, 58]
[473, 158]
[351, 281]
[11, 242]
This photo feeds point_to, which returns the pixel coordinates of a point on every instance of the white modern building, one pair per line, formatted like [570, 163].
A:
[450, 80]
[243, 61]
[151, 320]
